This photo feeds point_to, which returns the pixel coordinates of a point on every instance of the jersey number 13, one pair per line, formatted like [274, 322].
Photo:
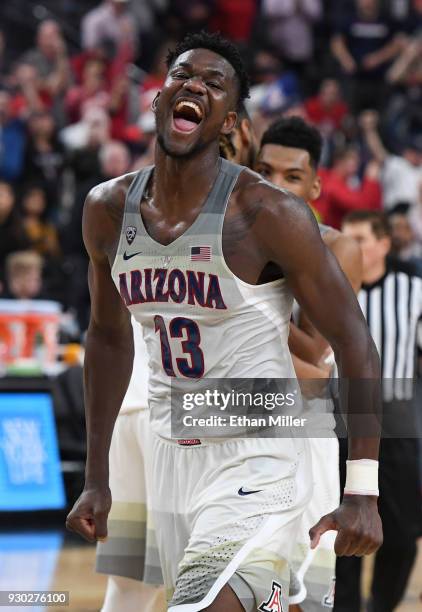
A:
[181, 328]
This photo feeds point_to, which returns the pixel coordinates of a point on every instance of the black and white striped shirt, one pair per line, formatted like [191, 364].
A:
[393, 307]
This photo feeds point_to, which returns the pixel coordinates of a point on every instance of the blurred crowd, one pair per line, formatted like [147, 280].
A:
[76, 84]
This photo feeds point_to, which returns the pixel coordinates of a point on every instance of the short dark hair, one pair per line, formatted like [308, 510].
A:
[400, 208]
[377, 219]
[295, 132]
[216, 43]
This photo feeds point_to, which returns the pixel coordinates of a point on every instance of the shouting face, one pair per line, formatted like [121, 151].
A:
[196, 104]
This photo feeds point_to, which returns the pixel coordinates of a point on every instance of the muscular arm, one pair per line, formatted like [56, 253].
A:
[305, 342]
[108, 366]
[290, 237]
[108, 359]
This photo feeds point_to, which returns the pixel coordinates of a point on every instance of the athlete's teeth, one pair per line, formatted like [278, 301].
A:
[195, 107]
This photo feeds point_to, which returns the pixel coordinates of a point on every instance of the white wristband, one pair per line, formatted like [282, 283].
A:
[361, 477]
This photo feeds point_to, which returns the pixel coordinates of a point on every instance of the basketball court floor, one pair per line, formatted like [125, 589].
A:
[55, 560]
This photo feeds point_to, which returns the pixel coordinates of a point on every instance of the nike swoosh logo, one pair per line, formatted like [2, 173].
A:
[242, 492]
[126, 256]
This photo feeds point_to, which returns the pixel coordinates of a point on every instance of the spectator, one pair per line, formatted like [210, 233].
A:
[51, 61]
[150, 87]
[342, 192]
[114, 59]
[29, 94]
[330, 113]
[327, 110]
[88, 134]
[401, 174]
[403, 118]
[12, 141]
[93, 87]
[102, 75]
[41, 234]
[404, 244]
[290, 28]
[114, 161]
[364, 45]
[95, 91]
[24, 275]
[275, 90]
[407, 69]
[184, 17]
[110, 23]
[234, 19]
[12, 234]
[45, 157]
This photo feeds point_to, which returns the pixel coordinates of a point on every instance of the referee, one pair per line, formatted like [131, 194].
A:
[391, 301]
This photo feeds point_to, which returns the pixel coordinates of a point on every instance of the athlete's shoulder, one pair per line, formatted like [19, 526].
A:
[111, 193]
[103, 213]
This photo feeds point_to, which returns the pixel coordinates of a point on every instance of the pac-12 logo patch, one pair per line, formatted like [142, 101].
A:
[130, 233]
[273, 603]
[328, 599]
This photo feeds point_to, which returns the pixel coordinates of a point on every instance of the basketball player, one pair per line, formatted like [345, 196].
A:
[129, 554]
[289, 156]
[240, 146]
[207, 256]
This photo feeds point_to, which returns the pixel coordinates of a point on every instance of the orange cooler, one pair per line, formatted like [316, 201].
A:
[26, 326]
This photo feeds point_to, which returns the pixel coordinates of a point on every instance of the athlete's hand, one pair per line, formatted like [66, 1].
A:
[88, 516]
[358, 524]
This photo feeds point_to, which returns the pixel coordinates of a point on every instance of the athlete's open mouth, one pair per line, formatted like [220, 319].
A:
[187, 115]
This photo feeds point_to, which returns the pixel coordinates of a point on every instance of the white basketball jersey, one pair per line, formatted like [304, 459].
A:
[136, 397]
[198, 319]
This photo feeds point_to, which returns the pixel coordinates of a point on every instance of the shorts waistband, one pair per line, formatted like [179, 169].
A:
[195, 442]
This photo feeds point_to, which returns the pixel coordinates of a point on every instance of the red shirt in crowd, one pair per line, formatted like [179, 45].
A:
[234, 18]
[321, 115]
[338, 198]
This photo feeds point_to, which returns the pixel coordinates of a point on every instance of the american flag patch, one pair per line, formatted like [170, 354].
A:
[200, 253]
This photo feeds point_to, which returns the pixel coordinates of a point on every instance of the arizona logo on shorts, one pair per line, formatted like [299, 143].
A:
[328, 599]
[273, 603]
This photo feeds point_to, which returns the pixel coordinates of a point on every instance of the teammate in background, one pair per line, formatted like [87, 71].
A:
[129, 555]
[219, 255]
[391, 301]
[240, 146]
[289, 156]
